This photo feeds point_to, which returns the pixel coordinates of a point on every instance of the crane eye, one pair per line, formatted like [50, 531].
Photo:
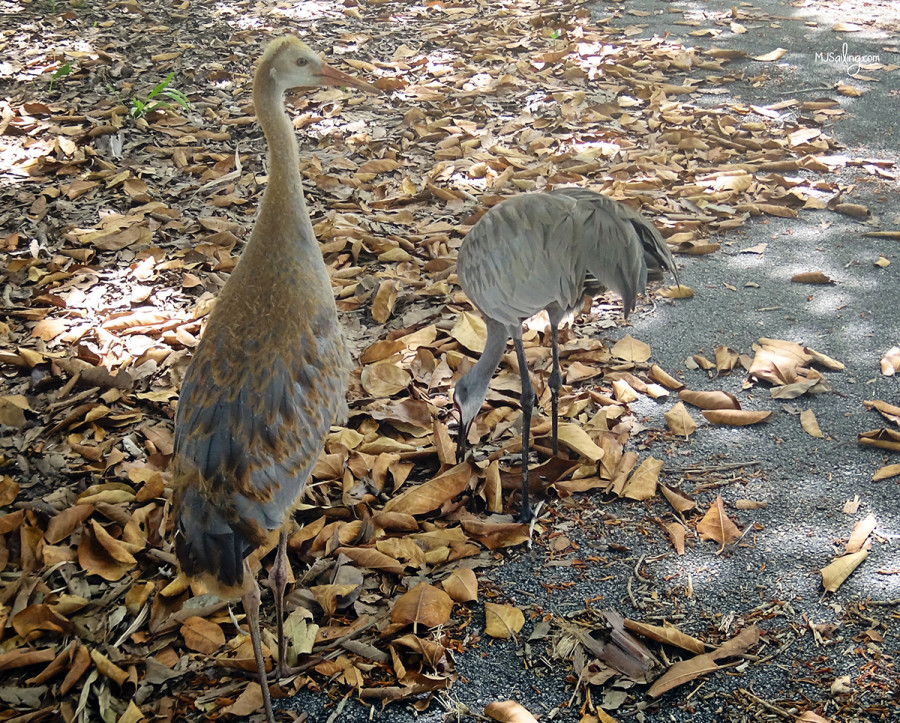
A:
[302, 62]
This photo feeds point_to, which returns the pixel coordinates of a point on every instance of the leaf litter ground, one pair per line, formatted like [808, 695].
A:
[120, 230]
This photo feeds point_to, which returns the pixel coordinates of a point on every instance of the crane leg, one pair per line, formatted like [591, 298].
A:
[278, 577]
[527, 400]
[250, 601]
[555, 384]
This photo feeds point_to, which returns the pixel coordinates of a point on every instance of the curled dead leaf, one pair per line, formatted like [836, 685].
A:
[679, 291]
[837, 572]
[735, 417]
[709, 400]
[657, 373]
[812, 277]
[890, 362]
[508, 711]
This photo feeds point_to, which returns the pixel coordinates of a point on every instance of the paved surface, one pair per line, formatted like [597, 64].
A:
[805, 481]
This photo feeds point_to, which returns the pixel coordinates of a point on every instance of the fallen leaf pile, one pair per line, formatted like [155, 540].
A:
[122, 216]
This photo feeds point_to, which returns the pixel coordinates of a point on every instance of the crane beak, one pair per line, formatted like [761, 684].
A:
[461, 437]
[333, 76]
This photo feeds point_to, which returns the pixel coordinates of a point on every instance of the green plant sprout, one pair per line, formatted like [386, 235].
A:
[61, 72]
[141, 107]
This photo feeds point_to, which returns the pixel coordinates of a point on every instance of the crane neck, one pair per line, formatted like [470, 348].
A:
[283, 207]
[481, 374]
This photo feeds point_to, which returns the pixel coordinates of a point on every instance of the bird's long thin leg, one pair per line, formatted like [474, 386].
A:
[527, 400]
[278, 577]
[250, 601]
[555, 384]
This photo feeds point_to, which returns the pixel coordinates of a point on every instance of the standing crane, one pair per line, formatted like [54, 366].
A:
[269, 376]
[542, 251]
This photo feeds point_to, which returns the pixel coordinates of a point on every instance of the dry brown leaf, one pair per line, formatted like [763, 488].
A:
[750, 505]
[372, 559]
[811, 717]
[423, 605]
[12, 410]
[886, 472]
[735, 417]
[888, 411]
[383, 303]
[881, 438]
[247, 703]
[823, 359]
[810, 424]
[623, 392]
[108, 668]
[502, 621]
[811, 277]
[462, 585]
[667, 635]
[431, 495]
[494, 535]
[9, 490]
[384, 378]
[726, 359]
[659, 374]
[642, 484]
[833, 575]
[679, 501]
[630, 349]
[687, 670]
[202, 635]
[709, 400]
[680, 421]
[860, 534]
[508, 711]
[890, 362]
[771, 56]
[470, 331]
[576, 439]
[679, 291]
[333, 597]
[493, 488]
[716, 525]
[36, 618]
[676, 535]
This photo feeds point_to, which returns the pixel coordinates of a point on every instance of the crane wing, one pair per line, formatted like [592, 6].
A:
[248, 432]
[622, 248]
[520, 258]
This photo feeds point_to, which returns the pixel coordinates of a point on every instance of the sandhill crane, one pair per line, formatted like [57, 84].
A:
[269, 376]
[537, 252]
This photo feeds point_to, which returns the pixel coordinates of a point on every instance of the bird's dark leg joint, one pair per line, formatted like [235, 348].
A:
[278, 577]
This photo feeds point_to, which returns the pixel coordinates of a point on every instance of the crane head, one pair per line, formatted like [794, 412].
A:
[467, 405]
[293, 64]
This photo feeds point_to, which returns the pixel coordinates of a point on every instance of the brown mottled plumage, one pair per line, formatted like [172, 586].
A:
[270, 375]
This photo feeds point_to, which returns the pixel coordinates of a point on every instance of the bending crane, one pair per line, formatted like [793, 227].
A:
[542, 251]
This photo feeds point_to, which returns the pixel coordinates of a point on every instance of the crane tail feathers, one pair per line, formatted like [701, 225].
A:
[207, 546]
